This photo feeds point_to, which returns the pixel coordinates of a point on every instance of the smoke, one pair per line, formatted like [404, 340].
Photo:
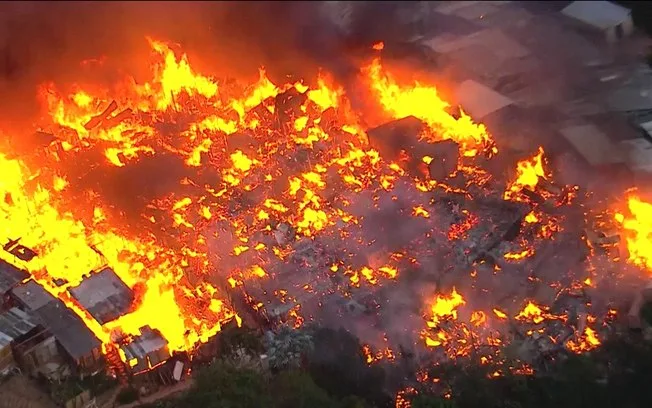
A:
[46, 41]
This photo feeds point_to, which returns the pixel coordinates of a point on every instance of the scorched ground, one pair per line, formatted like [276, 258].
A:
[213, 200]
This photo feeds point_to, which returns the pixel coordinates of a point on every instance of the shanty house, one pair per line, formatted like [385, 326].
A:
[612, 20]
[146, 351]
[10, 276]
[104, 295]
[16, 327]
[72, 339]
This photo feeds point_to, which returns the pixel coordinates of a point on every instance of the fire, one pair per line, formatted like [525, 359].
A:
[517, 256]
[534, 313]
[425, 103]
[371, 357]
[445, 307]
[66, 250]
[269, 170]
[528, 174]
[586, 341]
[173, 77]
[638, 230]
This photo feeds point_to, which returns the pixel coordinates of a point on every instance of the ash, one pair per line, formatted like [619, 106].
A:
[456, 237]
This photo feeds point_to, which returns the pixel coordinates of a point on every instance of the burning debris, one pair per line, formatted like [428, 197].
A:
[274, 201]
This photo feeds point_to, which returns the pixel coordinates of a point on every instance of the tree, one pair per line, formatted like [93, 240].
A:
[127, 395]
[296, 389]
[286, 347]
[233, 339]
[338, 366]
[429, 401]
[353, 401]
[222, 385]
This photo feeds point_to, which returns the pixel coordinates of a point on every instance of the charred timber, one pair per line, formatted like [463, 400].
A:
[393, 137]
[97, 120]
[117, 119]
[444, 157]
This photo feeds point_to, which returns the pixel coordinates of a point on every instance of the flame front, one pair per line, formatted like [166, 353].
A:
[638, 230]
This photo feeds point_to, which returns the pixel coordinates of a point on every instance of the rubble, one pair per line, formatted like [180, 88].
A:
[412, 237]
[393, 137]
[444, 158]
[95, 121]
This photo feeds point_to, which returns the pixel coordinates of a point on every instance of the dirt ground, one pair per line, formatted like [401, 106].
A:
[163, 393]
[20, 392]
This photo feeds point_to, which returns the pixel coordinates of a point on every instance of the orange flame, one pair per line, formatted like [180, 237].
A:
[638, 229]
[425, 103]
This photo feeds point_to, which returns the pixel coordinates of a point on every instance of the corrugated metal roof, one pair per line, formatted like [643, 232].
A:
[10, 276]
[493, 39]
[479, 100]
[69, 330]
[32, 295]
[599, 14]
[104, 296]
[148, 342]
[630, 98]
[596, 147]
[639, 154]
[13, 324]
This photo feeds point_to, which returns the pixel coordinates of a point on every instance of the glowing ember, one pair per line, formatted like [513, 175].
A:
[445, 307]
[587, 341]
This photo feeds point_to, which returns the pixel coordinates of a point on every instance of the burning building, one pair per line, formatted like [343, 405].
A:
[77, 343]
[403, 224]
[103, 295]
[105, 298]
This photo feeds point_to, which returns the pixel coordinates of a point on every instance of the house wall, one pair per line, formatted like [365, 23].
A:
[90, 363]
[6, 357]
[628, 26]
[610, 35]
[626, 29]
[34, 358]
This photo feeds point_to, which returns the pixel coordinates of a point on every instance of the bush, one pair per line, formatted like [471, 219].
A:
[240, 338]
[127, 395]
[224, 385]
[296, 389]
[338, 366]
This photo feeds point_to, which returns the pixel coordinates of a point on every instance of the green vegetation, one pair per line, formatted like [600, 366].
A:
[127, 395]
[331, 373]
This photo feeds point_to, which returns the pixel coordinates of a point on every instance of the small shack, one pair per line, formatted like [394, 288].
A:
[146, 352]
[104, 295]
[15, 326]
[612, 20]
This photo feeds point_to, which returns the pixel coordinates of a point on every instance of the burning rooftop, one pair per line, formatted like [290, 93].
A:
[148, 206]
